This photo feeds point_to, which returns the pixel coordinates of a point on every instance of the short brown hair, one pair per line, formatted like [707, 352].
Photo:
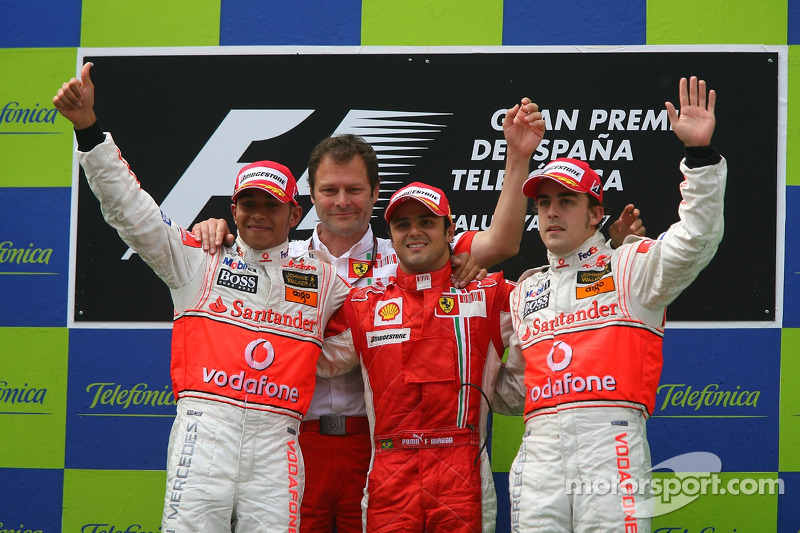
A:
[342, 149]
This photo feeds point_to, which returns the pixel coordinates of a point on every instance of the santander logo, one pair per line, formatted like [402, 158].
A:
[218, 306]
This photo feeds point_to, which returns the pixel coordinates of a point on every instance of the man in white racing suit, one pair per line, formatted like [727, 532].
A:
[590, 325]
[246, 337]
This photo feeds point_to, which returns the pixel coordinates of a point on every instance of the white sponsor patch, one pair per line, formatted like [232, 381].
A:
[265, 173]
[466, 304]
[389, 312]
[423, 282]
[387, 336]
[420, 192]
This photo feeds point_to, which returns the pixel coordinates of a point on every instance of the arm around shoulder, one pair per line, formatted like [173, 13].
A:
[338, 347]
[509, 393]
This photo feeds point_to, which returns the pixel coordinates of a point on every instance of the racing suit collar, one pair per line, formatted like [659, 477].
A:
[580, 255]
[270, 255]
[427, 280]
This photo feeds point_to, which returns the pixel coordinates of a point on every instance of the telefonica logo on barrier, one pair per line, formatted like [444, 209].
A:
[111, 528]
[22, 254]
[16, 113]
[117, 396]
[712, 395]
[681, 529]
[16, 394]
[21, 529]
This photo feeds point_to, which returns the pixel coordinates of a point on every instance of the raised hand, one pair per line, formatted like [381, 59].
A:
[628, 223]
[75, 99]
[696, 122]
[524, 127]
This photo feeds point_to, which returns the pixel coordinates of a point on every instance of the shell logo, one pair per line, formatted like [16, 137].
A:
[388, 312]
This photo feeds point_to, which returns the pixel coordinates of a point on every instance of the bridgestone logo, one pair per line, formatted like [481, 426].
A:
[272, 176]
[569, 169]
[387, 336]
[425, 193]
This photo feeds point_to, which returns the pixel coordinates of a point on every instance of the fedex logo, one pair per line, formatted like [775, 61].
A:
[590, 251]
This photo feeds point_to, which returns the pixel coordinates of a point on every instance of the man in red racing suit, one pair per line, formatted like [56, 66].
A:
[428, 353]
[246, 337]
[590, 325]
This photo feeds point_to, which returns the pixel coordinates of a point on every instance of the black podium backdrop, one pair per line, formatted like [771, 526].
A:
[434, 117]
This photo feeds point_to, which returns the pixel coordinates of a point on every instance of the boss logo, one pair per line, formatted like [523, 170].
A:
[238, 282]
[537, 304]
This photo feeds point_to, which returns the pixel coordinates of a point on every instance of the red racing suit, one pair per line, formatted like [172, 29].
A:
[337, 464]
[246, 337]
[590, 326]
[426, 348]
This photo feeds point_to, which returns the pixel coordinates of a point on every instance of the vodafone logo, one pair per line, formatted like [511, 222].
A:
[567, 387]
[259, 345]
[561, 351]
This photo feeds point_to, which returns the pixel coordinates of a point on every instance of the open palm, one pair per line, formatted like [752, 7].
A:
[696, 122]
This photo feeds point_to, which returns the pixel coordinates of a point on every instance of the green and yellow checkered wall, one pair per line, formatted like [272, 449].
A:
[48, 481]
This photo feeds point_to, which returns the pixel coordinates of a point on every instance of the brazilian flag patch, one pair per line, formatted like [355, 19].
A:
[387, 444]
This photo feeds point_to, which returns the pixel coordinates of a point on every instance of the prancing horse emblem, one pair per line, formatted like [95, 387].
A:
[446, 303]
[360, 268]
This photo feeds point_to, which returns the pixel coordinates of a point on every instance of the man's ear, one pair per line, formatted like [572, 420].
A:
[450, 232]
[596, 215]
[296, 215]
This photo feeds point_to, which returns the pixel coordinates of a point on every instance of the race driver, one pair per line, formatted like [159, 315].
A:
[430, 354]
[591, 325]
[246, 337]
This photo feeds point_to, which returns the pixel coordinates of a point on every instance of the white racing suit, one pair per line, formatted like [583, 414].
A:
[590, 326]
[246, 337]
